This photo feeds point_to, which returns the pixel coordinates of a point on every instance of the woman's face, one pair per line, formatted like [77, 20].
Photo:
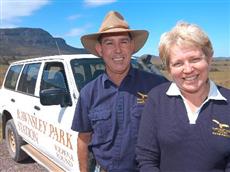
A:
[189, 69]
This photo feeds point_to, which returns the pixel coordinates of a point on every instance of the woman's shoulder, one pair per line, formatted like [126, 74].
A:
[224, 91]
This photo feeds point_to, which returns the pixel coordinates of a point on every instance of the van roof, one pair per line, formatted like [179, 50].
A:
[55, 57]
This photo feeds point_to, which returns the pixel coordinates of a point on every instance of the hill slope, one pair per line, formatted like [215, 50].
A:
[32, 42]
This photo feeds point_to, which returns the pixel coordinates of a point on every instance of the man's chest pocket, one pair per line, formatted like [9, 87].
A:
[102, 126]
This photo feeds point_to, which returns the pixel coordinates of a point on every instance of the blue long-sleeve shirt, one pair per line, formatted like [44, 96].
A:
[168, 142]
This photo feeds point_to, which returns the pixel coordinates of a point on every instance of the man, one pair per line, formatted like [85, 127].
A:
[109, 108]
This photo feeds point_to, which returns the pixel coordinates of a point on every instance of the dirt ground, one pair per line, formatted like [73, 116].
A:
[8, 165]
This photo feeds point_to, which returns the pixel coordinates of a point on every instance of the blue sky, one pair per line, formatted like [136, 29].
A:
[70, 19]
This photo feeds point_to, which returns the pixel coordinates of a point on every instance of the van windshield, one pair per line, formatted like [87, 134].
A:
[87, 69]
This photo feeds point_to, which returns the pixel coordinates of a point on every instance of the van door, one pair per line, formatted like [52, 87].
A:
[57, 139]
[24, 101]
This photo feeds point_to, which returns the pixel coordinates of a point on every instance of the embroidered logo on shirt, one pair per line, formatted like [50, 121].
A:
[142, 98]
[221, 129]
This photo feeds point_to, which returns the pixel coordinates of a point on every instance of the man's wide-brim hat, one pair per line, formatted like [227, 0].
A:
[114, 23]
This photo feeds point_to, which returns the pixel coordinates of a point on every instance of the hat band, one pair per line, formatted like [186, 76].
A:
[114, 27]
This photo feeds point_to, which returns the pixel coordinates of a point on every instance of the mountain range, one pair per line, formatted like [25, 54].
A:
[21, 43]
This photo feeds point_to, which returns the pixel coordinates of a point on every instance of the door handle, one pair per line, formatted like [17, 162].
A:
[36, 107]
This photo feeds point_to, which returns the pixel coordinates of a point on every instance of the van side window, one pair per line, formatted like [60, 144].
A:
[53, 76]
[28, 78]
[12, 76]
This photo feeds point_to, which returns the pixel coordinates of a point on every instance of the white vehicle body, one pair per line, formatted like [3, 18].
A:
[47, 128]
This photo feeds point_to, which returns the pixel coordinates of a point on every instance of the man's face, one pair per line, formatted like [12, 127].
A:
[116, 50]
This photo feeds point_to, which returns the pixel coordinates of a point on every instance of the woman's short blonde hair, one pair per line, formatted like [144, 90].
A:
[184, 35]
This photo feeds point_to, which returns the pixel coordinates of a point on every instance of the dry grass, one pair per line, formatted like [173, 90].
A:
[220, 72]
[0, 132]
[3, 69]
[221, 78]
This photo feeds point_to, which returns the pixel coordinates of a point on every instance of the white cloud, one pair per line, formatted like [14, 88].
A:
[77, 31]
[13, 10]
[74, 17]
[93, 3]
[7, 25]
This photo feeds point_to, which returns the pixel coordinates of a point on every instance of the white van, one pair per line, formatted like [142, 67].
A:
[29, 124]
[38, 100]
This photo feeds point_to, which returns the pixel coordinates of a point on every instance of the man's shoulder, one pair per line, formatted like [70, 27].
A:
[160, 89]
[148, 74]
[145, 81]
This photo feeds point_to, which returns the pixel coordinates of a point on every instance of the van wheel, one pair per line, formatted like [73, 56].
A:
[14, 142]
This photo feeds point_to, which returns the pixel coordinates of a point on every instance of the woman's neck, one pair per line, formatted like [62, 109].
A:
[196, 99]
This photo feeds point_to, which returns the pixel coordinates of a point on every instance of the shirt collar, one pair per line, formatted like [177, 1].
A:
[107, 82]
[213, 94]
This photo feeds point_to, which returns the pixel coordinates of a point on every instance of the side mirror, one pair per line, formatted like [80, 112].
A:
[55, 96]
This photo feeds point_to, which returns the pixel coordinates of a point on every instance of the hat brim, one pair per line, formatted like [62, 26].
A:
[139, 37]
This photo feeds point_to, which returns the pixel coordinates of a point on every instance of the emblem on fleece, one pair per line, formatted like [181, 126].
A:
[141, 98]
[222, 129]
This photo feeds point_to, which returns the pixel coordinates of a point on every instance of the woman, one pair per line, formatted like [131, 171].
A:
[186, 123]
